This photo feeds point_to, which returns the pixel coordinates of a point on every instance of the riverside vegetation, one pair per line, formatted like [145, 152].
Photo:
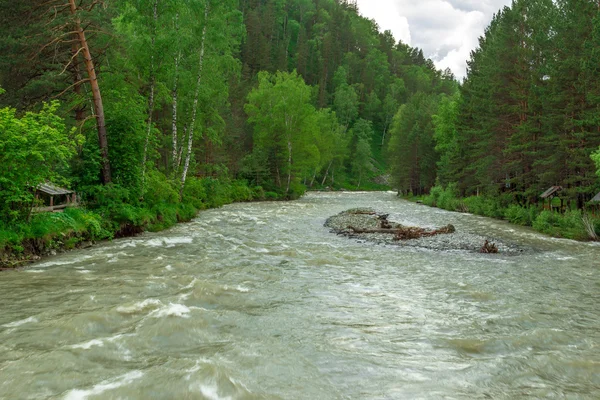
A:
[152, 110]
[573, 224]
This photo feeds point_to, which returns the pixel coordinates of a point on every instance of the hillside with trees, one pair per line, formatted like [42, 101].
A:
[526, 116]
[151, 110]
[162, 108]
[525, 119]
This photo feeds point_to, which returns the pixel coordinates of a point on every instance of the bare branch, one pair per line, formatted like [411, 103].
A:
[71, 86]
[71, 60]
[55, 40]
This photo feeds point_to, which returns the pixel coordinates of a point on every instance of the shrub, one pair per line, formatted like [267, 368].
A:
[159, 190]
[239, 191]
[571, 225]
[8, 237]
[448, 198]
[271, 196]
[434, 196]
[568, 225]
[547, 222]
[194, 193]
[518, 215]
[258, 193]
[217, 194]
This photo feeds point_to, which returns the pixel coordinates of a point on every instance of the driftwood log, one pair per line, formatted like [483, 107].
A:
[407, 233]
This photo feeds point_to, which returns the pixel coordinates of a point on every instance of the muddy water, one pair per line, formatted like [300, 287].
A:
[260, 301]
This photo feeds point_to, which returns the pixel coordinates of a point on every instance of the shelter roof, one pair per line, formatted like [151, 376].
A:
[53, 190]
[552, 190]
[596, 199]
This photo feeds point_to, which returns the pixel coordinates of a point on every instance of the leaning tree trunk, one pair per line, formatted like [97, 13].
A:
[195, 107]
[151, 98]
[98, 106]
[326, 173]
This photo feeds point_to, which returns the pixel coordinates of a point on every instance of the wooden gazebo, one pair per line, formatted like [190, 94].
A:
[549, 195]
[595, 203]
[54, 198]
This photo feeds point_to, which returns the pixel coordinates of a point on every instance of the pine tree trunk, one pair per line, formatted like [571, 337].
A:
[97, 97]
[151, 98]
[196, 96]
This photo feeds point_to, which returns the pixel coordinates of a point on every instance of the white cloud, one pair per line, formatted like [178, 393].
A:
[446, 30]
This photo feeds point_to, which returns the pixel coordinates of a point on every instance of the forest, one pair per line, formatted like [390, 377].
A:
[526, 118]
[152, 110]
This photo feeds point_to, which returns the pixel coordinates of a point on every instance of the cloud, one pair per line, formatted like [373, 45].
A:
[446, 30]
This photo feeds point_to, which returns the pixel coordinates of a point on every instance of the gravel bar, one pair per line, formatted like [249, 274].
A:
[367, 218]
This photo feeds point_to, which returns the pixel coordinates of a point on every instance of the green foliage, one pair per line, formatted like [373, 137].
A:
[520, 215]
[33, 149]
[596, 158]
[284, 122]
[411, 151]
[568, 225]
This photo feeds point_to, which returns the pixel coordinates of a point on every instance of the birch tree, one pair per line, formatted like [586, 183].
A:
[279, 109]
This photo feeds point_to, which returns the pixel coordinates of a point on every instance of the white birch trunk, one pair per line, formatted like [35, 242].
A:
[326, 173]
[195, 107]
[180, 153]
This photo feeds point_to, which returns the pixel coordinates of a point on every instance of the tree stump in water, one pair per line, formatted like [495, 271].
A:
[489, 248]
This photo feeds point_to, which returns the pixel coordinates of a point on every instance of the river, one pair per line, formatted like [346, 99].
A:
[260, 301]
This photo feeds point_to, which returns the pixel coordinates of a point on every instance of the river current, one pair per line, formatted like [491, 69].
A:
[260, 301]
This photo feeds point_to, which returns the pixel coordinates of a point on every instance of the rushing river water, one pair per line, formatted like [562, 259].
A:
[260, 301]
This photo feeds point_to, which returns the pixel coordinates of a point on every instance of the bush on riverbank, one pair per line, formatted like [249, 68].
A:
[569, 225]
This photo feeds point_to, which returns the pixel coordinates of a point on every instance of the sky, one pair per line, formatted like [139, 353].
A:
[446, 30]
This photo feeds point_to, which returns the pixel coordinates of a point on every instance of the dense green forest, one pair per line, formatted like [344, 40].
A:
[153, 109]
[526, 117]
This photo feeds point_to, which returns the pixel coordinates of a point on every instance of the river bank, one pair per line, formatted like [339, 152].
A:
[50, 234]
[572, 224]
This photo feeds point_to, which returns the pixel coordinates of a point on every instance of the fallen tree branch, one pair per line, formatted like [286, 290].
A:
[407, 233]
[374, 230]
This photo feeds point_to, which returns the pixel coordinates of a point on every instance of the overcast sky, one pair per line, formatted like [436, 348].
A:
[446, 30]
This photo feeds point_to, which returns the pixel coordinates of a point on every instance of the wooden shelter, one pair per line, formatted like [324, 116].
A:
[54, 198]
[549, 195]
[595, 204]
